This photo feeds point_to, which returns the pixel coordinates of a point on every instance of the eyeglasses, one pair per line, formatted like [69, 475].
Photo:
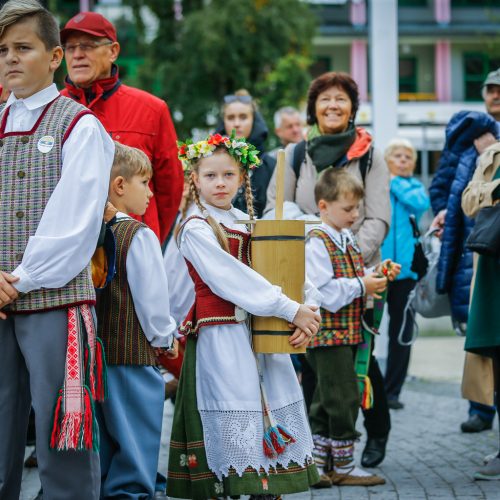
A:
[85, 46]
[246, 99]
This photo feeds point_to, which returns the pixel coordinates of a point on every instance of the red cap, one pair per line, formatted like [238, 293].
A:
[91, 23]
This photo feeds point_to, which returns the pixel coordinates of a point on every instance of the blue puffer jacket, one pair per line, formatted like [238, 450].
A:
[408, 197]
[456, 166]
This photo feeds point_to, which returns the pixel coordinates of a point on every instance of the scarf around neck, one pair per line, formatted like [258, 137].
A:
[326, 150]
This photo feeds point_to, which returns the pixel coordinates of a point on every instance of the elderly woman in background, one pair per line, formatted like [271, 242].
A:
[483, 326]
[240, 113]
[334, 140]
[408, 198]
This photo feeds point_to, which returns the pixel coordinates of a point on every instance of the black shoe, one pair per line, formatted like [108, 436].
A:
[395, 404]
[476, 424]
[374, 452]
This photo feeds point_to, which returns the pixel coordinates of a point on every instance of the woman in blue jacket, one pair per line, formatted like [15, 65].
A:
[408, 197]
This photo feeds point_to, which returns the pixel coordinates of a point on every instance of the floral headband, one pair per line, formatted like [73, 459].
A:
[242, 151]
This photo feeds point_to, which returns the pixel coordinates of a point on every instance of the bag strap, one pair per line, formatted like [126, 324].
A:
[365, 163]
[414, 226]
[299, 155]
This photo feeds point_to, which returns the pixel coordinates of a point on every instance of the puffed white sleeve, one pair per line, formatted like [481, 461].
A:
[148, 284]
[336, 292]
[66, 236]
[229, 278]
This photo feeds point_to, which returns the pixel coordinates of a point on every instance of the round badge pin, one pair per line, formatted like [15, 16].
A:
[45, 144]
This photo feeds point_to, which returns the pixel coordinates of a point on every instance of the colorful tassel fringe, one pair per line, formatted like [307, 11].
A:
[75, 430]
[276, 438]
[101, 372]
[366, 391]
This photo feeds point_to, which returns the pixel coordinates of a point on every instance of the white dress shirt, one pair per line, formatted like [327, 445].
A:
[149, 287]
[66, 236]
[336, 292]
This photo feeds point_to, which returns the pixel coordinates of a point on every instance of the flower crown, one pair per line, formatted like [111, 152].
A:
[241, 150]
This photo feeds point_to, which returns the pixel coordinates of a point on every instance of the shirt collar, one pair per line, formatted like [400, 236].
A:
[340, 238]
[37, 100]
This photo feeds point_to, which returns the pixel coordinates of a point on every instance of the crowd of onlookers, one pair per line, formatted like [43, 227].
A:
[370, 204]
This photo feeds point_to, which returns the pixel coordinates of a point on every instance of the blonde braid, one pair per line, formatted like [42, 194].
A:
[249, 196]
[217, 229]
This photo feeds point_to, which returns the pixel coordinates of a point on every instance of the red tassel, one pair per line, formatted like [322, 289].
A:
[101, 391]
[56, 426]
[88, 421]
[268, 448]
[278, 443]
[287, 437]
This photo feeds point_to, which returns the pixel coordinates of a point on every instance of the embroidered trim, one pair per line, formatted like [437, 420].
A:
[187, 327]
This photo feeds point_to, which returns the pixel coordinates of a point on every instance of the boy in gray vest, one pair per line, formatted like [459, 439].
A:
[55, 159]
[134, 323]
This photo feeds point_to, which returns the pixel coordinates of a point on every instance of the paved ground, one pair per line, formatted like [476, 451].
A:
[427, 457]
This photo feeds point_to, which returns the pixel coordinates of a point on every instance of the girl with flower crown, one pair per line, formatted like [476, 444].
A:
[239, 426]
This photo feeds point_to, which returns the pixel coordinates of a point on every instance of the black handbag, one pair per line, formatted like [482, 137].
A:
[419, 263]
[485, 236]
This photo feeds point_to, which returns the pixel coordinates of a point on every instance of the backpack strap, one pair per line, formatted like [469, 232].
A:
[299, 155]
[365, 163]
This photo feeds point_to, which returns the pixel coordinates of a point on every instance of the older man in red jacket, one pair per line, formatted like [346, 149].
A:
[131, 116]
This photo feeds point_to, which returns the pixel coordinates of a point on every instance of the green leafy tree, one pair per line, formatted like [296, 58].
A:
[222, 45]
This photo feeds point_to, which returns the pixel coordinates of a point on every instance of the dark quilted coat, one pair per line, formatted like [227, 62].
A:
[456, 166]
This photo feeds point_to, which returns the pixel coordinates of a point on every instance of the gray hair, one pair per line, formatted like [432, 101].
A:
[15, 11]
[286, 110]
[398, 143]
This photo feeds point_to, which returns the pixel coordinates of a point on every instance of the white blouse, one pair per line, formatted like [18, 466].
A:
[149, 287]
[66, 237]
[247, 289]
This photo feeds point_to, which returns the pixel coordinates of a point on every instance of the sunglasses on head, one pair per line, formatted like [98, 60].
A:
[246, 99]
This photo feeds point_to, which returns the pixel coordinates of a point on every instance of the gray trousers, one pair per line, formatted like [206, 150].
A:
[32, 358]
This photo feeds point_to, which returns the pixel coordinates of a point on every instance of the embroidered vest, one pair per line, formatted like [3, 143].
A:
[29, 173]
[117, 323]
[344, 326]
[210, 309]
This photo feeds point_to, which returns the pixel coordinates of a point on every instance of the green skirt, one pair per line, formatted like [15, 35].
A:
[483, 327]
[188, 472]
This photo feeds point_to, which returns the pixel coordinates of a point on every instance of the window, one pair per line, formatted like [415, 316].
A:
[408, 74]
[319, 66]
[474, 3]
[412, 3]
[476, 67]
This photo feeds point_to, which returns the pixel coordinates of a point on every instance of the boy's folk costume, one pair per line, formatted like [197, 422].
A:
[335, 266]
[55, 158]
[133, 317]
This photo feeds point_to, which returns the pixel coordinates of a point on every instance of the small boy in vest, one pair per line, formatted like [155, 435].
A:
[55, 159]
[335, 267]
[134, 323]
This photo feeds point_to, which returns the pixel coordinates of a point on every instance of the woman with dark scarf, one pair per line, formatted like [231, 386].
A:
[334, 141]
[239, 113]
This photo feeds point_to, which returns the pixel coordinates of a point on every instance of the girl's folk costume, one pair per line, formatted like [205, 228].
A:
[217, 435]
[55, 158]
[133, 316]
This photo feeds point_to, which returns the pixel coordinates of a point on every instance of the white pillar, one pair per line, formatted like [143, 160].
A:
[84, 5]
[384, 70]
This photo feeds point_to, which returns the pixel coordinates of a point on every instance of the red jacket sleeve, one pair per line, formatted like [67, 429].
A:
[168, 177]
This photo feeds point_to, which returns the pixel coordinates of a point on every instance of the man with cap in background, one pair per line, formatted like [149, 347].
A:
[131, 116]
[480, 416]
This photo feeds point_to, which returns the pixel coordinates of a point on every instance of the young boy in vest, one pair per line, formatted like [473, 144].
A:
[134, 323]
[335, 267]
[55, 159]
